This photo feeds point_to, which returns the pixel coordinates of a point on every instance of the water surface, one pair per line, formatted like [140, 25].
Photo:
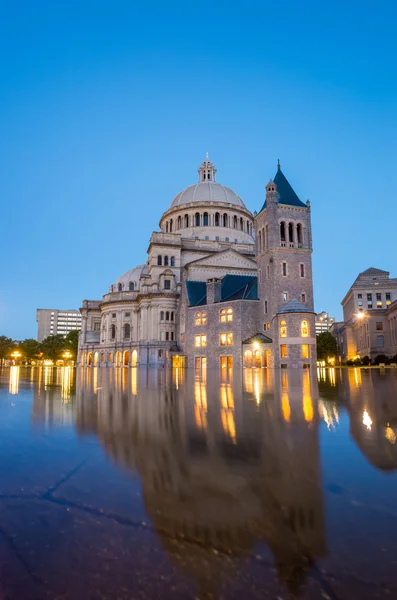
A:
[133, 483]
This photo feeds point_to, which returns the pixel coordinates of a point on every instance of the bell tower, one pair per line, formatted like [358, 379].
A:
[283, 254]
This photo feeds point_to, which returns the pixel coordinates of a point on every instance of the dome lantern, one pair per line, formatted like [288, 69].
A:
[206, 171]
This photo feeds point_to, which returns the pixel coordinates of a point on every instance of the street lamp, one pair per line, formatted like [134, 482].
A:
[16, 355]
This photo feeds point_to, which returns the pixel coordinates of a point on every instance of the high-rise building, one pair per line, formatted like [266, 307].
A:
[52, 321]
[323, 322]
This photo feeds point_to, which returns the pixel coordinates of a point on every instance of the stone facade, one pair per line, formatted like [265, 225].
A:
[207, 259]
[370, 317]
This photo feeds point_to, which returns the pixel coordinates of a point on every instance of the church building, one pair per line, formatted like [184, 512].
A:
[221, 287]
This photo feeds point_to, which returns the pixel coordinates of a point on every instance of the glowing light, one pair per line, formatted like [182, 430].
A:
[14, 380]
[390, 435]
[66, 383]
[134, 381]
[200, 407]
[227, 411]
[367, 421]
[285, 407]
[308, 410]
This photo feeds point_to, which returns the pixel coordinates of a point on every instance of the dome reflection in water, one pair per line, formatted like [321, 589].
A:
[227, 461]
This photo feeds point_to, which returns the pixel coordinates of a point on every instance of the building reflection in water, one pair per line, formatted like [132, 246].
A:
[225, 462]
[370, 398]
[54, 395]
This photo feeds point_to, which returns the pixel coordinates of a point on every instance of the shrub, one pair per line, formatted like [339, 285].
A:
[366, 360]
[382, 358]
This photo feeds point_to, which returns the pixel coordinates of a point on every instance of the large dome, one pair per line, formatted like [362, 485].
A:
[207, 192]
[131, 277]
[207, 189]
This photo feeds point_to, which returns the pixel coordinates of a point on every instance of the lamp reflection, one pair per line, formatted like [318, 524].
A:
[14, 379]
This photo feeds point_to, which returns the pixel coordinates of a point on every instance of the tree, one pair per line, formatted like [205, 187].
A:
[53, 346]
[326, 346]
[7, 345]
[72, 342]
[30, 349]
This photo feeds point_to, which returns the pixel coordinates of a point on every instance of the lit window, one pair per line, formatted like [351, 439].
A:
[226, 315]
[283, 329]
[305, 350]
[226, 339]
[304, 329]
[379, 327]
[200, 341]
[283, 350]
[200, 318]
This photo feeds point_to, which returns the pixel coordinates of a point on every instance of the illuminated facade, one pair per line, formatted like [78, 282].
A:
[370, 317]
[216, 289]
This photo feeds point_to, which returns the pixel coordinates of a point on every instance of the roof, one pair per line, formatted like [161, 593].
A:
[286, 194]
[294, 306]
[372, 272]
[207, 191]
[233, 287]
[260, 338]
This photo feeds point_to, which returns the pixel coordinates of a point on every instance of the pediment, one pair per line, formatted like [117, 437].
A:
[226, 258]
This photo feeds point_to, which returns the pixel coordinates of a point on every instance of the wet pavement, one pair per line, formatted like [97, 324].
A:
[132, 484]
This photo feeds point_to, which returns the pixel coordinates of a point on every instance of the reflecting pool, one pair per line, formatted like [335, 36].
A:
[131, 483]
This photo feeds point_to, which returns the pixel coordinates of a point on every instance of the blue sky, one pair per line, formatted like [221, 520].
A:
[107, 110]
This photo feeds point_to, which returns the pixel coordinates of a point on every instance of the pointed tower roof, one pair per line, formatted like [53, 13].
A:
[294, 306]
[286, 194]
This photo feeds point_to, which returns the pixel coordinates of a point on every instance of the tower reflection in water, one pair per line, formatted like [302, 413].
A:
[226, 461]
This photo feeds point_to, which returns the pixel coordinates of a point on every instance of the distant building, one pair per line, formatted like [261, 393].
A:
[52, 321]
[323, 322]
[369, 327]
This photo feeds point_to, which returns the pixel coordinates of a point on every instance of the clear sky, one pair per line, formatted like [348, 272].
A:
[107, 110]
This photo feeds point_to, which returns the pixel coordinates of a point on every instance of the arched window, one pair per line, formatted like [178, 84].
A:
[110, 357]
[283, 329]
[197, 219]
[235, 222]
[171, 224]
[167, 316]
[260, 241]
[205, 220]
[161, 315]
[179, 222]
[131, 286]
[217, 219]
[113, 332]
[241, 224]
[291, 232]
[299, 234]
[166, 261]
[172, 261]
[248, 226]
[159, 260]
[172, 315]
[282, 231]
[224, 219]
[226, 315]
[120, 287]
[166, 227]
[127, 331]
[304, 329]
[186, 220]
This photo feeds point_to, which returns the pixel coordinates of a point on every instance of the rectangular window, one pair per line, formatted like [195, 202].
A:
[359, 296]
[127, 315]
[360, 302]
[172, 336]
[113, 315]
[302, 270]
[369, 297]
[379, 327]
[161, 335]
[303, 298]
[226, 339]
[207, 237]
[285, 296]
[161, 353]
[97, 326]
[265, 307]
[200, 341]
[226, 239]
[379, 341]
[305, 350]
[167, 336]
[226, 362]
[284, 269]
[217, 238]
[388, 298]
[167, 284]
[283, 350]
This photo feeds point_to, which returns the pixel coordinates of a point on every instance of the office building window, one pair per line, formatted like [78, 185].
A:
[226, 339]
